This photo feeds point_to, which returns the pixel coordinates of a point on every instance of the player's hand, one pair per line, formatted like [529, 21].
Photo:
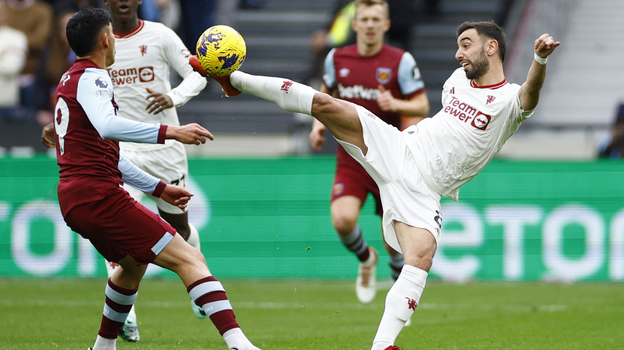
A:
[385, 100]
[176, 195]
[194, 62]
[316, 136]
[47, 135]
[545, 45]
[159, 101]
[189, 134]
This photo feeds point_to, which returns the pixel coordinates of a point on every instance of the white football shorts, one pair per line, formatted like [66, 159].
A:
[168, 164]
[405, 195]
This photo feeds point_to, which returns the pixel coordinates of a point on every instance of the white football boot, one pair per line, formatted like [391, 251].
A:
[130, 330]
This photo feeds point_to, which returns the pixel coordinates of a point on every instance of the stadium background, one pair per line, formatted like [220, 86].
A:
[546, 209]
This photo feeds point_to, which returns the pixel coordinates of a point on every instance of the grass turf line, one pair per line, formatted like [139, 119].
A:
[303, 314]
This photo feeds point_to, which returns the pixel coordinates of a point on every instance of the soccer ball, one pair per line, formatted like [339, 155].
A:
[221, 50]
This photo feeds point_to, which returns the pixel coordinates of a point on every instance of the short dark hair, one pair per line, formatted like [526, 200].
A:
[84, 28]
[490, 30]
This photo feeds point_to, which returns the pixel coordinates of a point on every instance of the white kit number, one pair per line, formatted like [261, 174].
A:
[61, 121]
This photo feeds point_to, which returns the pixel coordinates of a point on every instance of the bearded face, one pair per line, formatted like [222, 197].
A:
[480, 66]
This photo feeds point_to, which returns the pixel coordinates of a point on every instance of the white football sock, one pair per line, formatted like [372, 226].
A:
[105, 344]
[401, 302]
[291, 96]
[193, 238]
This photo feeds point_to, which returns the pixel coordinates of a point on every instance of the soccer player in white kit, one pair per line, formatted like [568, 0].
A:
[146, 52]
[418, 166]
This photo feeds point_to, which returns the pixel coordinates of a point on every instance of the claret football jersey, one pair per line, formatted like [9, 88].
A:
[357, 79]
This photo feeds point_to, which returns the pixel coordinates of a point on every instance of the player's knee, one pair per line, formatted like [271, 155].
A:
[194, 257]
[421, 258]
[323, 104]
[343, 225]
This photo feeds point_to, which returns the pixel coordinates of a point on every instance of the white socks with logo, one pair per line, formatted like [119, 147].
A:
[401, 302]
[291, 96]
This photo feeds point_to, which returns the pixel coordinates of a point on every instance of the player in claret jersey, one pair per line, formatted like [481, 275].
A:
[146, 52]
[95, 205]
[387, 82]
[415, 167]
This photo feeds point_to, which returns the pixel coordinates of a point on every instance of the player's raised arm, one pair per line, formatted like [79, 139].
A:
[530, 90]
[178, 56]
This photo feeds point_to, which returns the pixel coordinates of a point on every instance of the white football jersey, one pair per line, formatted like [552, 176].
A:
[144, 59]
[453, 146]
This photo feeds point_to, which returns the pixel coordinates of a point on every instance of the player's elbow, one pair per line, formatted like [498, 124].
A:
[106, 135]
[109, 133]
[529, 103]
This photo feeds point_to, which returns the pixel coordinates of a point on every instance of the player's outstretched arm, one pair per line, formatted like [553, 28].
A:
[530, 91]
[189, 134]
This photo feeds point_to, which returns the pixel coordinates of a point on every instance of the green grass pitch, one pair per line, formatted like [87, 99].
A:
[303, 314]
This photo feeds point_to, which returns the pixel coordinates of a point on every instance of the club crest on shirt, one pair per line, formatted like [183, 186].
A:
[286, 86]
[344, 72]
[490, 99]
[383, 75]
[99, 82]
[338, 188]
[143, 49]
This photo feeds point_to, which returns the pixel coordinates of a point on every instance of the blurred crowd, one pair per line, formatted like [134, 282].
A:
[34, 52]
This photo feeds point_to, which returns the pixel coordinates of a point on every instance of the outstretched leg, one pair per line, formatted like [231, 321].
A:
[339, 116]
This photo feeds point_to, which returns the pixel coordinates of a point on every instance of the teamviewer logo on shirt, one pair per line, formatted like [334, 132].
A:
[146, 74]
[481, 121]
[467, 114]
[128, 76]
